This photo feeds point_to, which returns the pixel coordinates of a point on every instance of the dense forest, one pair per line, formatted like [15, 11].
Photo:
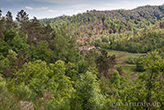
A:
[91, 25]
[42, 68]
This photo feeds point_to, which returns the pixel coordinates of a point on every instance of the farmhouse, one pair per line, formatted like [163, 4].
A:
[87, 48]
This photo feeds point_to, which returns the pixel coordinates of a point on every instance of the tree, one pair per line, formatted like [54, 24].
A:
[35, 31]
[63, 45]
[22, 18]
[9, 35]
[139, 64]
[11, 64]
[149, 88]
[116, 78]
[152, 78]
[41, 77]
[105, 39]
[82, 66]
[19, 42]
[9, 21]
[4, 47]
[161, 24]
[43, 52]
[89, 93]
[90, 58]
[104, 62]
[1, 25]
[47, 33]
[0, 13]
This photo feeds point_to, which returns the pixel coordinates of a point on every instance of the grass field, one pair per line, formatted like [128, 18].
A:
[129, 70]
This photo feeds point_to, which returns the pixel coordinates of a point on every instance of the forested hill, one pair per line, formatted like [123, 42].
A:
[41, 69]
[93, 24]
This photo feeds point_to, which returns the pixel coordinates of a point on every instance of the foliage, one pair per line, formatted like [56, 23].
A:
[119, 69]
[89, 93]
[90, 58]
[154, 65]
[41, 65]
[149, 85]
[131, 59]
[62, 45]
[82, 66]
[43, 51]
[104, 62]
[140, 42]
[94, 23]
[116, 78]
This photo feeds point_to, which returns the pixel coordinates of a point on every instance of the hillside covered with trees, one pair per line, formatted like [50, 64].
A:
[42, 68]
[91, 25]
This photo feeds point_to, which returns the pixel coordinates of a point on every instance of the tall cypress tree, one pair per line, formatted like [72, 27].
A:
[1, 24]
[23, 19]
[9, 21]
[104, 62]
[35, 31]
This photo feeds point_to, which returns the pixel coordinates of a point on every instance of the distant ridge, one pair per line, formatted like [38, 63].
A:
[92, 24]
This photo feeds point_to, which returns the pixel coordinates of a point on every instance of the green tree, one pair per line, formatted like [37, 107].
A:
[11, 64]
[41, 78]
[22, 18]
[90, 58]
[9, 35]
[105, 39]
[35, 31]
[0, 12]
[116, 78]
[89, 93]
[19, 42]
[82, 66]
[62, 85]
[1, 24]
[63, 45]
[4, 47]
[149, 88]
[9, 21]
[43, 52]
[104, 62]
[161, 24]
[152, 78]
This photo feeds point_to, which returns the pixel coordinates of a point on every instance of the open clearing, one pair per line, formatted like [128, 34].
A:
[129, 70]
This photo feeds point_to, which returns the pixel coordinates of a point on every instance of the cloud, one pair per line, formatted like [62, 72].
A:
[80, 6]
[128, 4]
[60, 1]
[52, 11]
[65, 12]
[42, 8]
[30, 8]
[14, 0]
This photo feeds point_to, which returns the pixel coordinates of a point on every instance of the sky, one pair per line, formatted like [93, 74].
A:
[54, 8]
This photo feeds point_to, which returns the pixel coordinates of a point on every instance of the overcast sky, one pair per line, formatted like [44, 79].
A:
[54, 8]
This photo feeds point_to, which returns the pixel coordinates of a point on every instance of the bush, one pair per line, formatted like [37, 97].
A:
[119, 69]
[139, 64]
[89, 92]
[23, 92]
[130, 60]
[162, 54]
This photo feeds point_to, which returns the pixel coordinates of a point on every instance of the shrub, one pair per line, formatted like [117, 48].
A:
[130, 60]
[119, 69]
